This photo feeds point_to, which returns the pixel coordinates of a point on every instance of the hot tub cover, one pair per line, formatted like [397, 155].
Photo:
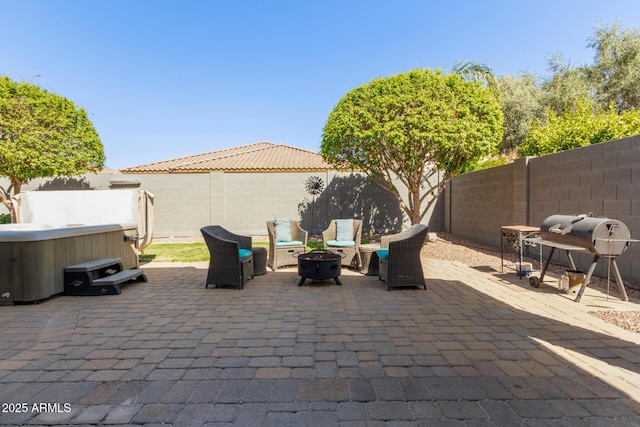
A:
[88, 207]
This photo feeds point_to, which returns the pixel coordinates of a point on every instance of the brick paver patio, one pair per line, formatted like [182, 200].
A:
[474, 349]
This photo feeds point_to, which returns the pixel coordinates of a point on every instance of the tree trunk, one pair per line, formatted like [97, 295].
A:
[17, 186]
[416, 216]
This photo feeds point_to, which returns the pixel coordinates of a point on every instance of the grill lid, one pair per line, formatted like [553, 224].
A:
[600, 236]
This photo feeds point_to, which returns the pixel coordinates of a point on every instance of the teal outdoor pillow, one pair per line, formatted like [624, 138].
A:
[244, 253]
[383, 253]
[290, 243]
[282, 229]
[344, 229]
[341, 243]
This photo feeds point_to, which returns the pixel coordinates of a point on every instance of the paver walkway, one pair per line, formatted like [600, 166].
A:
[474, 349]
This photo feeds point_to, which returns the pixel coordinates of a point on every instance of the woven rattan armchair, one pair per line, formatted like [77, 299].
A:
[230, 257]
[350, 250]
[281, 253]
[399, 255]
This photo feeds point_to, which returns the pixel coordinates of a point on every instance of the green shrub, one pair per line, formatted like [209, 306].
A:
[578, 128]
[487, 164]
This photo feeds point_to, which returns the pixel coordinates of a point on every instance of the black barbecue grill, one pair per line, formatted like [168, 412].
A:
[601, 237]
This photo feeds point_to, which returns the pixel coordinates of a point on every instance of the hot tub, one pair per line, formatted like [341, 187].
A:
[57, 229]
[33, 256]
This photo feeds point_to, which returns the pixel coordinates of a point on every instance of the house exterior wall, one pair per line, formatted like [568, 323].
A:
[602, 179]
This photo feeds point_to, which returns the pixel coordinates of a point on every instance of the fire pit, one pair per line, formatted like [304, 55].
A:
[319, 265]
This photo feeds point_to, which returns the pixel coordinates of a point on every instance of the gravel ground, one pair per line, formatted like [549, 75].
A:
[450, 247]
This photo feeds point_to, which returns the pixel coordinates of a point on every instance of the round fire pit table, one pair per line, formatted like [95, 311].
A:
[319, 265]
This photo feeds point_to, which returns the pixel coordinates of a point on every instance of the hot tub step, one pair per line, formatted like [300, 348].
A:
[121, 277]
[96, 264]
[109, 285]
[98, 277]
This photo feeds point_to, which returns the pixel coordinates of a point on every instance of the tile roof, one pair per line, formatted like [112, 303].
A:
[258, 157]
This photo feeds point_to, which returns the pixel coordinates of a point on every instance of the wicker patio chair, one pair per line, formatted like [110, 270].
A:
[399, 255]
[281, 252]
[230, 257]
[348, 245]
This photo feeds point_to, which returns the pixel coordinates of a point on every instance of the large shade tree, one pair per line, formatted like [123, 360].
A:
[565, 86]
[417, 129]
[520, 101]
[42, 134]
[616, 69]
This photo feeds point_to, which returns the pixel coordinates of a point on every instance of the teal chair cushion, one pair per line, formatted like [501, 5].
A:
[244, 253]
[344, 229]
[341, 243]
[383, 253]
[290, 243]
[282, 229]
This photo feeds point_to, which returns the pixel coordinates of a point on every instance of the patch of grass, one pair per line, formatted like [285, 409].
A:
[194, 252]
[176, 252]
[180, 252]
[314, 245]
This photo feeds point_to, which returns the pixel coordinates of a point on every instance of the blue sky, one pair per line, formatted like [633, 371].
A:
[163, 79]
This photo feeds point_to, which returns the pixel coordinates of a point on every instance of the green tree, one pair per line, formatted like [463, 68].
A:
[616, 69]
[410, 129]
[566, 86]
[584, 126]
[42, 135]
[476, 72]
[520, 100]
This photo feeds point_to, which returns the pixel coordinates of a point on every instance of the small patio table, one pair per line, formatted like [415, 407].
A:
[259, 260]
[370, 260]
[519, 233]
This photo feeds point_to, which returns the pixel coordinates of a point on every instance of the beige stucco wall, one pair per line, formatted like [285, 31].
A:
[243, 202]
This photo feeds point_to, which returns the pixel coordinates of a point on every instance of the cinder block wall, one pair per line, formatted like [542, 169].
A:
[245, 201]
[479, 203]
[241, 202]
[181, 203]
[602, 179]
